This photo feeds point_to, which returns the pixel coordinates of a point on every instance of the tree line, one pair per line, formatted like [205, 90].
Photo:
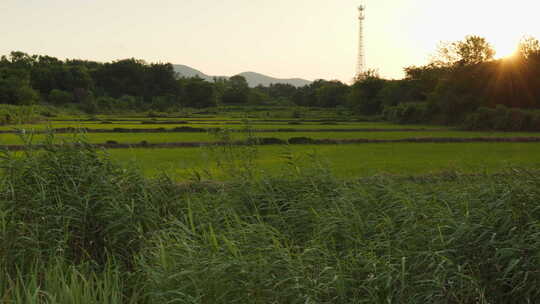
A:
[135, 84]
[93, 86]
[463, 84]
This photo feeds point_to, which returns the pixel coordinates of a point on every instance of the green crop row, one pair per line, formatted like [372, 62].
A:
[134, 138]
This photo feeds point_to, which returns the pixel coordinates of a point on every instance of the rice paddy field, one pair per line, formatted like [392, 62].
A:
[348, 161]
[168, 137]
[345, 160]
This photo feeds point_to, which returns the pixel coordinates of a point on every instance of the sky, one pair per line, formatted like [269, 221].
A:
[310, 39]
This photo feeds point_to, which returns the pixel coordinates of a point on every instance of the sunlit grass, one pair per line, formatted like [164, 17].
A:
[135, 138]
[348, 161]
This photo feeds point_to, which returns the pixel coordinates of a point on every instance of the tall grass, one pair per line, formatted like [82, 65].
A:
[10, 114]
[61, 283]
[16, 115]
[77, 228]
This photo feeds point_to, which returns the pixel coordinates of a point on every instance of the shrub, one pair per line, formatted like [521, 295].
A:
[503, 119]
[153, 114]
[60, 97]
[188, 129]
[301, 140]
[406, 113]
[11, 115]
[269, 141]
[121, 130]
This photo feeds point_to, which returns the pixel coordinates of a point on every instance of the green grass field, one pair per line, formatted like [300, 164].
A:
[349, 161]
[133, 138]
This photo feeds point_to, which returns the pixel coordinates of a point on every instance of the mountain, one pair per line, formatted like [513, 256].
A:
[253, 79]
[188, 72]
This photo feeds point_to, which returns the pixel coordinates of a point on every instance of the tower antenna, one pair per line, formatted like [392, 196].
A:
[361, 61]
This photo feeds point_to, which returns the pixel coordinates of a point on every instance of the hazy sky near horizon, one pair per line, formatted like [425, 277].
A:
[310, 39]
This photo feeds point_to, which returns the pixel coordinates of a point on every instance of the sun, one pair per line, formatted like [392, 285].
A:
[504, 38]
[505, 48]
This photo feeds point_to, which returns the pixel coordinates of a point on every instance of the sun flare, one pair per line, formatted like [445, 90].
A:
[505, 46]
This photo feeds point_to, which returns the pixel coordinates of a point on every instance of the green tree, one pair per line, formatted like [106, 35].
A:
[15, 87]
[471, 50]
[199, 93]
[395, 92]
[60, 97]
[307, 95]
[332, 94]
[237, 91]
[364, 94]
[258, 96]
[528, 48]
[22, 60]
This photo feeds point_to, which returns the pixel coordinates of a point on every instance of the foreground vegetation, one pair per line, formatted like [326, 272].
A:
[77, 228]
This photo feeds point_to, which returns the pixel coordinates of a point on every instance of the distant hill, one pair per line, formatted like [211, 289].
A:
[253, 79]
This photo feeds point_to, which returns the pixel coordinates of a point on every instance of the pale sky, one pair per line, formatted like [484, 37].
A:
[310, 39]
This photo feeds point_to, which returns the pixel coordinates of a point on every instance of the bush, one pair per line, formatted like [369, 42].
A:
[188, 129]
[269, 141]
[59, 97]
[301, 140]
[12, 115]
[407, 113]
[503, 119]
[153, 114]
[297, 113]
[121, 130]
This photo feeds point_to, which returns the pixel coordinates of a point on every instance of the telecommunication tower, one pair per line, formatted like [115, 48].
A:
[361, 64]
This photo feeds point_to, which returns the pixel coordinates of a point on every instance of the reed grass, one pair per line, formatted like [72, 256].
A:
[75, 227]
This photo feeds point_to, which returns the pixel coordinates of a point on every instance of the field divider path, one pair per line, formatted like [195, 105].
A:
[299, 141]
[186, 120]
[202, 130]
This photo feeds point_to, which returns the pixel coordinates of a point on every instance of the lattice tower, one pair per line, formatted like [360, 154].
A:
[361, 63]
